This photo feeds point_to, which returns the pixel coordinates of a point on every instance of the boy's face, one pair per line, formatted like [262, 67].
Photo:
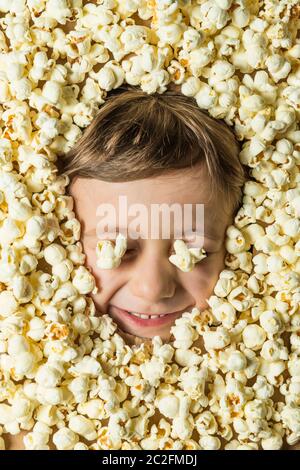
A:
[146, 281]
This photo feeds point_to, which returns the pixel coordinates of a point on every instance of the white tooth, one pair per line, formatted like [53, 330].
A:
[146, 317]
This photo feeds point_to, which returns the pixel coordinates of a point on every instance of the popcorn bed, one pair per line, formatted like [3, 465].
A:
[67, 377]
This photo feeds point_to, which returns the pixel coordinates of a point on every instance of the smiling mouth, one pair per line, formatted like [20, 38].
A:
[144, 318]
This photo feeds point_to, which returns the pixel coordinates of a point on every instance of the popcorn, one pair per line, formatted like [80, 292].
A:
[218, 339]
[53, 370]
[80, 446]
[109, 255]
[206, 97]
[152, 371]
[83, 280]
[235, 242]
[274, 442]
[291, 418]
[272, 371]
[270, 322]
[274, 350]
[16, 345]
[186, 258]
[240, 298]
[168, 406]
[184, 335]
[22, 289]
[6, 415]
[63, 270]
[48, 376]
[254, 337]
[25, 363]
[65, 439]
[86, 366]
[209, 443]
[8, 303]
[193, 383]
[206, 423]
[94, 409]
[83, 426]
[79, 388]
[40, 434]
[236, 361]
[54, 254]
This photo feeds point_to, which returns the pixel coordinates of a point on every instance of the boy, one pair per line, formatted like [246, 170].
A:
[154, 149]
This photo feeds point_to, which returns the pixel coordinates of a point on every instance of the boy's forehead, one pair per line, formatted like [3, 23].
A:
[188, 190]
[182, 186]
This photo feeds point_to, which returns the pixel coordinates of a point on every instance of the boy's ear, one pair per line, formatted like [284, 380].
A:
[72, 182]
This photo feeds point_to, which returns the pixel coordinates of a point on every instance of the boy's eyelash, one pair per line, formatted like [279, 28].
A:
[131, 250]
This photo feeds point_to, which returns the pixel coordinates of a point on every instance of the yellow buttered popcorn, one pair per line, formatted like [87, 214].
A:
[186, 258]
[109, 254]
[238, 61]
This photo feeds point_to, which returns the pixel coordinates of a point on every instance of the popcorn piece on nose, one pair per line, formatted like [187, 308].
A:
[109, 254]
[186, 258]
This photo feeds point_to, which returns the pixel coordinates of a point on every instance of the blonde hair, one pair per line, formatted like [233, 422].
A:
[138, 135]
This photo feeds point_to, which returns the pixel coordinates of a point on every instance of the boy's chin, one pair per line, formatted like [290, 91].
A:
[165, 335]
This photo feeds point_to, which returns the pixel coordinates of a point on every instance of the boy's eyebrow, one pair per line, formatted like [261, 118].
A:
[210, 236]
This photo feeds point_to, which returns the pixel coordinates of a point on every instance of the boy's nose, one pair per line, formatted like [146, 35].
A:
[153, 276]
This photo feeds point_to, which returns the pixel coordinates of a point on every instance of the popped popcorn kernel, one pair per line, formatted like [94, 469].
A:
[66, 374]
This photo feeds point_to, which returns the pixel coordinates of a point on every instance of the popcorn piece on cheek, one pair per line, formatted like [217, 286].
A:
[105, 255]
[53, 373]
[109, 254]
[186, 258]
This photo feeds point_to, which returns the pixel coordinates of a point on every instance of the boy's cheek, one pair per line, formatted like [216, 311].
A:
[108, 281]
[211, 266]
[202, 280]
[199, 288]
[103, 278]
[199, 283]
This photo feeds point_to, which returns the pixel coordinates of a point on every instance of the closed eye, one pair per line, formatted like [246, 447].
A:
[208, 253]
[130, 252]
